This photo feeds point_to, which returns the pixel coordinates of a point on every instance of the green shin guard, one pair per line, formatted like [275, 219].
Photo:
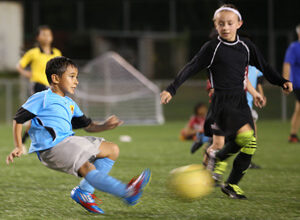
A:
[247, 142]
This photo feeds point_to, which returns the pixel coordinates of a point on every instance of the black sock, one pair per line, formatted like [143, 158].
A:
[240, 165]
[229, 149]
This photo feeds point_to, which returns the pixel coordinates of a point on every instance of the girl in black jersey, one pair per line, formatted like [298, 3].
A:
[226, 58]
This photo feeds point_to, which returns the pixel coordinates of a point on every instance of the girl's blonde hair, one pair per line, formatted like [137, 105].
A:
[228, 7]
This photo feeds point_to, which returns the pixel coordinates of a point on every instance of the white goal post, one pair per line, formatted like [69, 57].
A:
[110, 85]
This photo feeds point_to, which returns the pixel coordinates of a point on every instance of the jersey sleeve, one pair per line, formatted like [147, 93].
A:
[80, 122]
[259, 74]
[57, 52]
[77, 111]
[26, 59]
[200, 61]
[257, 60]
[23, 115]
[34, 103]
[290, 55]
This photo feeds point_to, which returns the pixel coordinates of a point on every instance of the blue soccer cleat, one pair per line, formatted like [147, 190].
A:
[135, 187]
[86, 200]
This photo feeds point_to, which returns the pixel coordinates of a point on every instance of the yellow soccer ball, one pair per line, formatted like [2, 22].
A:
[190, 182]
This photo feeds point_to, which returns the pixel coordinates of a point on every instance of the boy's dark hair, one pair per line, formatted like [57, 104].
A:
[41, 28]
[58, 66]
[197, 106]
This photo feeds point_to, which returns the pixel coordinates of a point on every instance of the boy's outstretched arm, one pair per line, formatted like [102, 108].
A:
[110, 123]
[17, 134]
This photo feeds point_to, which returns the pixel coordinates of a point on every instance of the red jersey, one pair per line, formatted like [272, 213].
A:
[197, 123]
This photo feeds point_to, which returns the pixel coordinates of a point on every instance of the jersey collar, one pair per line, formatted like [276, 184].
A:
[42, 51]
[228, 42]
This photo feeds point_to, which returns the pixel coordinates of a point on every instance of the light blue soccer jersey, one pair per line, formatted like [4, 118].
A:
[292, 57]
[253, 74]
[52, 123]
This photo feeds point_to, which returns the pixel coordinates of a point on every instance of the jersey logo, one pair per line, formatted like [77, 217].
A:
[72, 109]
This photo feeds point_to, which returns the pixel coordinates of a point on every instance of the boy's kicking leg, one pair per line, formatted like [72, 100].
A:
[97, 176]
[104, 163]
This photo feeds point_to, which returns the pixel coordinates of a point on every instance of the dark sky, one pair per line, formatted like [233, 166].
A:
[71, 21]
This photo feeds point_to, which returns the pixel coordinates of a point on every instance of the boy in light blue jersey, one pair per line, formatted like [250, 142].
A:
[255, 77]
[53, 116]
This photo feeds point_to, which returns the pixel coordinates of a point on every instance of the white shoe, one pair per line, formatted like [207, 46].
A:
[211, 160]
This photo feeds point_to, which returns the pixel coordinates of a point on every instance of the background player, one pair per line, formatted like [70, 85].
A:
[53, 116]
[36, 58]
[291, 71]
[226, 58]
[195, 123]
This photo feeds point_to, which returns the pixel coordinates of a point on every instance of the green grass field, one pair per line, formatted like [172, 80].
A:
[31, 191]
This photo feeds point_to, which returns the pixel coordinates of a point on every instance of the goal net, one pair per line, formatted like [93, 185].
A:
[110, 85]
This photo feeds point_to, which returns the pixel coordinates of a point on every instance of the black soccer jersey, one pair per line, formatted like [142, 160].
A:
[226, 63]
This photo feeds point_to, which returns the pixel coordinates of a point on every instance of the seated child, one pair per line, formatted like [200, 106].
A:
[195, 124]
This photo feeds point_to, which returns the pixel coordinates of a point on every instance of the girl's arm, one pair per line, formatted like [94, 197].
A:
[24, 72]
[257, 60]
[199, 62]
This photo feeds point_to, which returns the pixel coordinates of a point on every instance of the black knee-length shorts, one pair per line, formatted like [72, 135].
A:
[228, 112]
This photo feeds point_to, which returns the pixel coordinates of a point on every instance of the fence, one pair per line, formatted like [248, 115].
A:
[13, 92]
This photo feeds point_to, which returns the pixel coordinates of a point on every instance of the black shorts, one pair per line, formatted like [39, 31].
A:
[209, 129]
[297, 94]
[228, 112]
[38, 87]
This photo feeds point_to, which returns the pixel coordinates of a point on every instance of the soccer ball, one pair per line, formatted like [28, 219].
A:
[190, 182]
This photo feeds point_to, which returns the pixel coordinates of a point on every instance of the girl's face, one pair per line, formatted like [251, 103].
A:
[227, 23]
[45, 37]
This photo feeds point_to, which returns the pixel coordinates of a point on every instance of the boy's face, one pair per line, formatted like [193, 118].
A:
[227, 23]
[68, 82]
[45, 37]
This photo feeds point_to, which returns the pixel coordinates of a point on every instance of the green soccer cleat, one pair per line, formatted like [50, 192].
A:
[233, 191]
